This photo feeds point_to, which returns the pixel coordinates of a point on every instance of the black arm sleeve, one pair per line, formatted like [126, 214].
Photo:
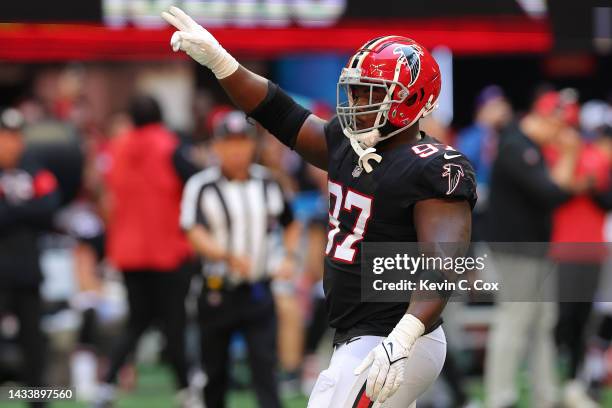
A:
[280, 115]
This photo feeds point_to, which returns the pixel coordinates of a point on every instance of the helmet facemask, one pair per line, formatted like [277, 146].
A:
[363, 140]
[348, 111]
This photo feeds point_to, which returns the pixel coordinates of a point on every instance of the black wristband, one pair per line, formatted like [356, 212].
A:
[280, 115]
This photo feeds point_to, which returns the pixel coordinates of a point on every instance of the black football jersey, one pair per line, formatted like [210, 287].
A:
[378, 207]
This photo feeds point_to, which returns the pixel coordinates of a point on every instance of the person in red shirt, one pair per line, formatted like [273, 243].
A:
[578, 225]
[144, 240]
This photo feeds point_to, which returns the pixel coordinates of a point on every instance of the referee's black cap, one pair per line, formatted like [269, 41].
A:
[232, 123]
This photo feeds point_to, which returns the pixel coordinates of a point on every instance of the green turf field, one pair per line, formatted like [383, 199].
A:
[155, 391]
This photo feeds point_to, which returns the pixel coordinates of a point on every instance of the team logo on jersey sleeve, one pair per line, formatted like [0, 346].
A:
[453, 172]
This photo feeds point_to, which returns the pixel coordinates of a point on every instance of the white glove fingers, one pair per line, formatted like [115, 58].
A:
[364, 364]
[371, 381]
[184, 19]
[199, 44]
[175, 41]
[399, 380]
[380, 382]
[187, 36]
[181, 40]
[389, 387]
[173, 21]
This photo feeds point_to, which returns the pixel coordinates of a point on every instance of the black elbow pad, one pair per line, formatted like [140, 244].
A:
[280, 115]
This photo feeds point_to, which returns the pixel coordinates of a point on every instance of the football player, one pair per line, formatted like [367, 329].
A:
[387, 182]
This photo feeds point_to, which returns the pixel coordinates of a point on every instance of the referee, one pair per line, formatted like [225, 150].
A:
[232, 213]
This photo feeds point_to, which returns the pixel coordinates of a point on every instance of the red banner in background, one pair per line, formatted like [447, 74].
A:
[464, 36]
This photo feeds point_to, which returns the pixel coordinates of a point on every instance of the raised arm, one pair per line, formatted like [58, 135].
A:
[265, 102]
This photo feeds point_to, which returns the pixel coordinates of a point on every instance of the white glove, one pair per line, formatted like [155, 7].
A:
[199, 44]
[388, 359]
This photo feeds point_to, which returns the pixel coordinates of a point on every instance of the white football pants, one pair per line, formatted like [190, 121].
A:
[338, 387]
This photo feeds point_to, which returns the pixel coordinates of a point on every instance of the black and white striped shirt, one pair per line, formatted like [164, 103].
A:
[242, 215]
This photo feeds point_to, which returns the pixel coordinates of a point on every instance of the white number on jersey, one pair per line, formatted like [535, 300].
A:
[346, 251]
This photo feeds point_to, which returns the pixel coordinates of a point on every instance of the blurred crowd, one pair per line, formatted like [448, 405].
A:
[93, 258]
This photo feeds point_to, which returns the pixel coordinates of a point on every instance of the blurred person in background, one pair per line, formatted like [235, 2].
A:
[310, 207]
[523, 195]
[231, 213]
[581, 220]
[59, 124]
[596, 122]
[293, 174]
[479, 143]
[288, 306]
[84, 220]
[29, 196]
[144, 241]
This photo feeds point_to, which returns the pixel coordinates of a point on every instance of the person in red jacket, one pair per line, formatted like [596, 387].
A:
[578, 228]
[144, 241]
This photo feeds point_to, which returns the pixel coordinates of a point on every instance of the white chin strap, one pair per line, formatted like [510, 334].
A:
[363, 144]
[365, 153]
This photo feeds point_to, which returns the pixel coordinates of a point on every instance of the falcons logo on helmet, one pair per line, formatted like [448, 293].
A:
[410, 55]
[453, 172]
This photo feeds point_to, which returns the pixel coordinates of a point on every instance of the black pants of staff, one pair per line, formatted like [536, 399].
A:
[155, 297]
[577, 282]
[25, 304]
[250, 310]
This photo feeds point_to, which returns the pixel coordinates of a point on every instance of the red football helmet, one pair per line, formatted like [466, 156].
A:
[405, 70]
